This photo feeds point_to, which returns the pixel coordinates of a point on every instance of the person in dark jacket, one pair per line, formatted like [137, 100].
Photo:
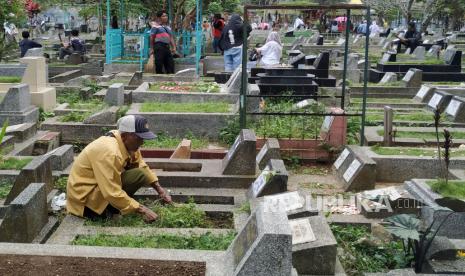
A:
[231, 42]
[27, 44]
[412, 38]
[75, 45]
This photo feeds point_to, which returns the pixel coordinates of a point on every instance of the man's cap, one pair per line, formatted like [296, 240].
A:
[136, 124]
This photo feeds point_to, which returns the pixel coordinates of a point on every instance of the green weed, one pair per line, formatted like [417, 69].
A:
[206, 107]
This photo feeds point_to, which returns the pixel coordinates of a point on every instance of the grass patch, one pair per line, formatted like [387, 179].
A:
[12, 163]
[359, 257]
[380, 100]
[407, 59]
[5, 189]
[422, 135]
[170, 216]
[414, 116]
[453, 189]
[207, 107]
[244, 208]
[413, 151]
[206, 241]
[10, 79]
[176, 86]
[389, 84]
[167, 142]
[74, 117]
[73, 98]
[316, 185]
[60, 183]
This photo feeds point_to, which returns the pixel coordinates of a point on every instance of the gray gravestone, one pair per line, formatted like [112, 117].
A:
[115, 94]
[39, 170]
[387, 45]
[270, 150]
[272, 180]
[413, 78]
[233, 85]
[35, 52]
[434, 51]
[449, 55]
[456, 109]
[314, 248]
[408, 51]
[352, 61]
[62, 157]
[136, 79]
[440, 99]
[263, 246]
[104, 117]
[26, 215]
[419, 53]
[240, 159]
[424, 94]
[293, 203]
[385, 58]
[388, 77]
[17, 99]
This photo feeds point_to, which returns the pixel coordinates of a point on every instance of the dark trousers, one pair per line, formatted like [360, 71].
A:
[132, 180]
[163, 58]
[216, 43]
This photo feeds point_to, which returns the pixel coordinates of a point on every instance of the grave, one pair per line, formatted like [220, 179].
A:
[424, 94]
[36, 77]
[419, 53]
[272, 180]
[455, 110]
[439, 99]
[355, 170]
[16, 106]
[413, 78]
[435, 51]
[115, 95]
[270, 150]
[240, 158]
[388, 77]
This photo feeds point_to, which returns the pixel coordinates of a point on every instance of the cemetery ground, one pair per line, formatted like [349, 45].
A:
[290, 194]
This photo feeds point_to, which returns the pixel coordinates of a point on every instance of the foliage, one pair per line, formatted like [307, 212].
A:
[416, 240]
[244, 208]
[13, 163]
[43, 115]
[206, 241]
[165, 141]
[5, 189]
[205, 107]
[10, 79]
[421, 135]
[360, 254]
[3, 131]
[230, 131]
[60, 183]
[12, 12]
[453, 189]
[186, 215]
[74, 116]
[353, 129]
[413, 151]
[7, 49]
[176, 86]
[122, 111]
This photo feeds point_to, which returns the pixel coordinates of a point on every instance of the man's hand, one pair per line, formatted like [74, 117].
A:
[148, 215]
[165, 196]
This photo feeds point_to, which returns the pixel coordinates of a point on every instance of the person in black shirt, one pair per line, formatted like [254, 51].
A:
[76, 45]
[27, 44]
[412, 38]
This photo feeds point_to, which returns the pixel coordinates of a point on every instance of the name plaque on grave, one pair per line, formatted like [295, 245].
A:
[434, 102]
[287, 201]
[301, 231]
[234, 147]
[422, 92]
[385, 58]
[261, 180]
[261, 153]
[408, 76]
[351, 170]
[327, 123]
[245, 239]
[342, 157]
[14, 127]
[453, 108]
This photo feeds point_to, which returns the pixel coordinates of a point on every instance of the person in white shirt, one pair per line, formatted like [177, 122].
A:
[271, 52]
[298, 23]
[374, 29]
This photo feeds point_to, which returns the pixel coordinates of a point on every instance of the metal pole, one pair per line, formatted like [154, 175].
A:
[108, 36]
[244, 76]
[365, 78]
[346, 52]
[198, 36]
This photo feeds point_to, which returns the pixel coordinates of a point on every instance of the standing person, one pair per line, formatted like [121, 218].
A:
[109, 171]
[162, 42]
[374, 29]
[231, 42]
[27, 44]
[271, 52]
[362, 28]
[218, 25]
[298, 23]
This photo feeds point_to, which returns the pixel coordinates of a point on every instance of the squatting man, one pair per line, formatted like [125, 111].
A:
[109, 171]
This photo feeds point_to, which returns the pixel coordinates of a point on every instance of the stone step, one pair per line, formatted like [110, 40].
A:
[458, 173]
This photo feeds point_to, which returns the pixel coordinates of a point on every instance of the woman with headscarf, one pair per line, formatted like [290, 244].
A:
[271, 52]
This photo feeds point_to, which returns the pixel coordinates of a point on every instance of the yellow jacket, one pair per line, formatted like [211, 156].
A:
[95, 178]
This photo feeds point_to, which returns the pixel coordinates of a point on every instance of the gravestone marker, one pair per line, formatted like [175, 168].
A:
[353, 168]
[106, 116]
[434, 51]
[385, 58]
[424, 94]
[35, 52]
[456, 109]
[386, 45]
[240, 159]
[320, 40]
[115, 95]
[233, 85]
[352, 61]
[270, 150]
[441, 99]
[289, 201]
[36, 76]
[334, 129]
[16, 106]
[342, 157]
[408, 51]
[136, 79]
[272, 180]
[413, 78]
[419, 53]
[435, 100]
[301, 231]
[388, 77]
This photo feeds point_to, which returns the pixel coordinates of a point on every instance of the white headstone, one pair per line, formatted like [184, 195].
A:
[408, 51]
[434, 101]
[342, 157]
[351, 170]
[301, 231]
[419, 53]
[453, 107]
[388, 77]
[422, 92]
[408, 76]
[286, 201]
[261, 180]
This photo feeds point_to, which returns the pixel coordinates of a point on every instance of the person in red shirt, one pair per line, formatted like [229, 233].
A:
[218, 25]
